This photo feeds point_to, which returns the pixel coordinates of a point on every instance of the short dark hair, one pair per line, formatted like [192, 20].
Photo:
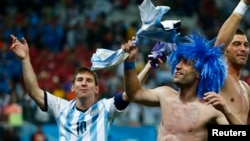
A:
[240, 31]
[84, 69]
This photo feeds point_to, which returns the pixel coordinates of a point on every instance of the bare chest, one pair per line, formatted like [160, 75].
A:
[235, 96]
[183, 118]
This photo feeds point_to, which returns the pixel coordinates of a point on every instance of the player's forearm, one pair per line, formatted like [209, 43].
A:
[232, 118]
[143, 75]
[131, 82]
[30, 79]
[228, 30]
[230, 26]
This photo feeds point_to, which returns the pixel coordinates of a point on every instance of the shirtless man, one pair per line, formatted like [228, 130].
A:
[235, 92]
[185, 115]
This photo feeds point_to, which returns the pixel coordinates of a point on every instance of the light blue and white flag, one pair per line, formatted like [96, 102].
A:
[152, 25]
[104, 58]
[152, 28]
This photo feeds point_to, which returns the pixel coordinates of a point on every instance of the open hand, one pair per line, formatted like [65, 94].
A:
[21, 49]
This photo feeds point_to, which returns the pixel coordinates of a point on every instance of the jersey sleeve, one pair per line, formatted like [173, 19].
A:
[54, 104]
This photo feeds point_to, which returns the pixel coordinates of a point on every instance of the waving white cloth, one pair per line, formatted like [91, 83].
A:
[151, 15]
[104, 58]
[152, 28]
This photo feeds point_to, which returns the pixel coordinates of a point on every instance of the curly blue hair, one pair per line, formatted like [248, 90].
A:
[208, 61]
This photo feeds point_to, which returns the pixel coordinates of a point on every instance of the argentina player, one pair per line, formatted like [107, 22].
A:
[81, 119]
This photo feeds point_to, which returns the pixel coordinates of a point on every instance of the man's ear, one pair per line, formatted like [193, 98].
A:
[197, 74]
[72, 88]
[225, 53]
[97, 89]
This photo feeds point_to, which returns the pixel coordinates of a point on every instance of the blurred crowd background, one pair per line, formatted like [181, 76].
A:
[63, 34]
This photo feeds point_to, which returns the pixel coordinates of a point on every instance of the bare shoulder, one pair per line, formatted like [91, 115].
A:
[166, 91]
[209, 112]
[246, 86]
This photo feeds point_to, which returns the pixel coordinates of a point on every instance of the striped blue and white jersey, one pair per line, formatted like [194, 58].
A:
[76, 125]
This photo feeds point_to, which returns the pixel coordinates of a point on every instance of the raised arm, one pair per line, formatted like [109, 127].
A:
[132, 82]
[143, 75]
[21, 49]
[229, 27]
[225, 36]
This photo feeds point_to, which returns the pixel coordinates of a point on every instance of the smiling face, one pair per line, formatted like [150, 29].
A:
[237, 51]
[185, 73]
[85, 84]
[206, 72]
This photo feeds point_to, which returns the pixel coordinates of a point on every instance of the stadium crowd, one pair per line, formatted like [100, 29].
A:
[65, 34]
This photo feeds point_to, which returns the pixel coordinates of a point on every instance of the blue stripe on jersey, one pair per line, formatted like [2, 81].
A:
[81, 128]
[73, 123]
[105, 120]
[93, 129]
[69, 119]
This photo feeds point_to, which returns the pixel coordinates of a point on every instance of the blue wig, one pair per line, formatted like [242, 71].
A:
[208, 61]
